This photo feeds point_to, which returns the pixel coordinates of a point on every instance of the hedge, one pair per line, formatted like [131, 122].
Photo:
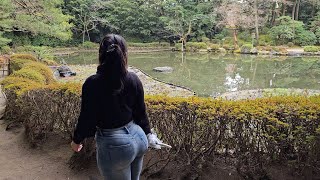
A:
[24, 56]
[251, 133]
[41, 68]
[27, 75]
[17, 64]
[311, 49]
[30, 74]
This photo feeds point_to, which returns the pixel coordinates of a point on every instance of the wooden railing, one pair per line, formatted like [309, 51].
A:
[4, 66]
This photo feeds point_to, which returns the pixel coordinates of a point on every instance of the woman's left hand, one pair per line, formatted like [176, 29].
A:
[76, 147]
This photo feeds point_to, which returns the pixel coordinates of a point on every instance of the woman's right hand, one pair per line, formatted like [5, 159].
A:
[76, 147]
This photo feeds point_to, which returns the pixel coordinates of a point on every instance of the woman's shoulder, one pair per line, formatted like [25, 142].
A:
[133, 77]
[91, 79]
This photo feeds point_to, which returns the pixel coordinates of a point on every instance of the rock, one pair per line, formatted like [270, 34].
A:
[203, 50]
[254, 51]
[222, 50]
[165, 69]
[295, 53]
[264, 52]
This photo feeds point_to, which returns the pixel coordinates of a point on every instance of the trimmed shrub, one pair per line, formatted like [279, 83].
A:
[251, 134]
[311, 49]
[178, 46]
[14, 87]
[18, 84]
[195, 46]
[290, 44]
[17, 64]
[42, 69]
[30, 74]
[24, 56]
[214, 47]
[305, 38]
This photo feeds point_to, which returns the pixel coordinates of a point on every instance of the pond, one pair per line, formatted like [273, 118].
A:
[213, 74]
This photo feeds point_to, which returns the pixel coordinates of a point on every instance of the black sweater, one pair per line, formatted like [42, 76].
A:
[104, 108]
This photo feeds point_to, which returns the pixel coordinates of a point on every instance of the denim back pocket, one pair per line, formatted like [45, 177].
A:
[115, 153]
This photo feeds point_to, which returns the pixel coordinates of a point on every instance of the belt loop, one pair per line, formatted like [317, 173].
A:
[126, 127]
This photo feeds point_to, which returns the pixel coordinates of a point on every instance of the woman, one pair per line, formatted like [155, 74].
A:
[113, 109]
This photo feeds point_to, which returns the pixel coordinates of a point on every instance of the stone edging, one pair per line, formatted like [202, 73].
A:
[171, 84]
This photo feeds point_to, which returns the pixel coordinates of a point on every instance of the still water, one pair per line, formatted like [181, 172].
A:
[213, 74]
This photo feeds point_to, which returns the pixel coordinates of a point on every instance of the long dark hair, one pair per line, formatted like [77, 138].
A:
[113, 60]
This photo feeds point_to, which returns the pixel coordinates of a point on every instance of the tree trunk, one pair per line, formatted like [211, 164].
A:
[83, 34]
[256, 20]
[284, 8]
[297, 10]
[235, 39]
[294, 9]
[88, 33]
[184, 43]
[313, 9]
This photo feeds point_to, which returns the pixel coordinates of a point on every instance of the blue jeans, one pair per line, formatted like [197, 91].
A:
[120, 152]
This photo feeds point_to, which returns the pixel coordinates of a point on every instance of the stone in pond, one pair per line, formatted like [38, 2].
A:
[165, 69]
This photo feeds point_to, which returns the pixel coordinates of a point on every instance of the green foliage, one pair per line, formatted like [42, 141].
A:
[46, 18]
[311, 49]
[245, 35]
[265, 40]
[290, 44]
[305, 38]
[41, 52]
[45, 40]
[195, 46]
[30, 74]
[317, 33]
[3, 41]
[153, 45]
[5, 50]
[285, 29]
[89, 45]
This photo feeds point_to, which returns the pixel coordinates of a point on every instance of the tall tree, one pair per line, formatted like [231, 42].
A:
[233, 16]
[37, 17]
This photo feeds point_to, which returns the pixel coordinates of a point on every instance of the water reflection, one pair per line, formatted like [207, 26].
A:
[213, 74]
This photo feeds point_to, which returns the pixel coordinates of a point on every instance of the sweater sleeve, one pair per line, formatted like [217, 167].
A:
[139, 110]
[86, 125]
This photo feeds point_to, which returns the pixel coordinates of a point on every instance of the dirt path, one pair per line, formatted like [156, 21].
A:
[19, 161]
